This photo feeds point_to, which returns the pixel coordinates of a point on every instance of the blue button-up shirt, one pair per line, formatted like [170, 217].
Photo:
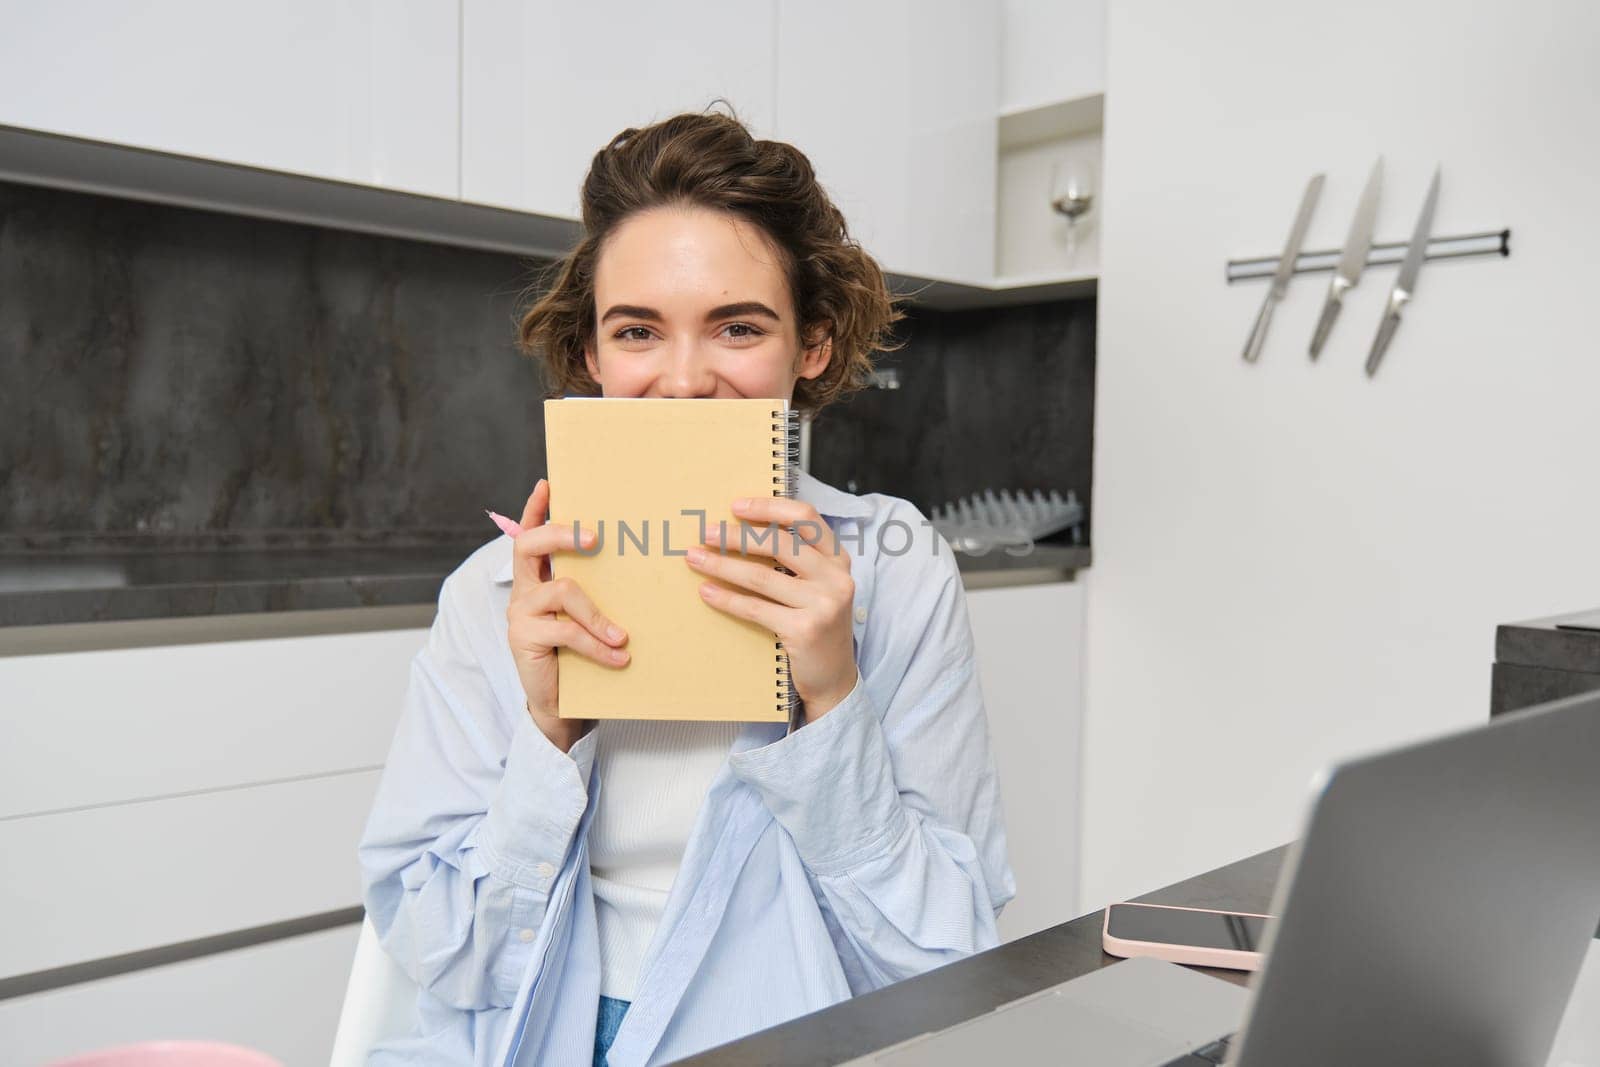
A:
[828, 858]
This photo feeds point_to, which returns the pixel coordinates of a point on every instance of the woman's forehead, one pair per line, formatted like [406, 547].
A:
[686, 260]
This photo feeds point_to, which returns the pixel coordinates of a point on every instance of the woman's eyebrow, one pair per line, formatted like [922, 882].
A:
[726, 311]
[747, 307]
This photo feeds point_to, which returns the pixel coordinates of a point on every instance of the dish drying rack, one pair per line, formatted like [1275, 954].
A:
[988, 520]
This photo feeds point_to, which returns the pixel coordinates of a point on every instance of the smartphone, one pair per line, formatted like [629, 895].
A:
[1194, 936]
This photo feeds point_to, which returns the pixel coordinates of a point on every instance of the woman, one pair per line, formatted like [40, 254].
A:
[728, 876]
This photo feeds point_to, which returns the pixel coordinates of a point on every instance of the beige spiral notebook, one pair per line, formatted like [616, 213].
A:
[630, 469]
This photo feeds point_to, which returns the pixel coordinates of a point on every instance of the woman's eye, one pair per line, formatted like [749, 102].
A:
[627, 333]
[748, 330]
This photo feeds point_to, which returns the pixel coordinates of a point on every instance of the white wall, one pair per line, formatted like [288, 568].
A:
[1291, 561]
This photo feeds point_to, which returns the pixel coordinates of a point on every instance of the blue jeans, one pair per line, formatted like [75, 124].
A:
[606, 1026]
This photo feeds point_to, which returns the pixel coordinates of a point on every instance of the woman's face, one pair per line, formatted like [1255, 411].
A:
[693, 303]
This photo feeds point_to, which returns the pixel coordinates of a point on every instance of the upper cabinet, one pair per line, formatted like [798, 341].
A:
[545, 85]
[1052, 101]
[357, 90]
[502, 104]
[895, 104]
[1051, 50]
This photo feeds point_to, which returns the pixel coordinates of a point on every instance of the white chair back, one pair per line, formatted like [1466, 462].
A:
[380, 1002]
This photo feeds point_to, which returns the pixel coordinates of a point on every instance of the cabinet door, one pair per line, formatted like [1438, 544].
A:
[1030, 662]
[104, 881]
[895, 104]
[546, 85]
[282, 998]
[1051, 50]
[356, 90]
[211, 787]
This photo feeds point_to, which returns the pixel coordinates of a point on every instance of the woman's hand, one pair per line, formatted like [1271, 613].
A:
[534, 632]
[809, 609]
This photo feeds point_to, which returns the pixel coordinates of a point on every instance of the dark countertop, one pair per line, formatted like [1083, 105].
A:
[40, 589]
[1544, 659]
[980, 983]
[78, 584]
[1047, 562]
[1562, 642]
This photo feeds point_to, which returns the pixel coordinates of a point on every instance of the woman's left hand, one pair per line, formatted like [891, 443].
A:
[809, 610]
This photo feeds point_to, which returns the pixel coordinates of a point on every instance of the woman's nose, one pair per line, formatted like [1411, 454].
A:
[688, 372]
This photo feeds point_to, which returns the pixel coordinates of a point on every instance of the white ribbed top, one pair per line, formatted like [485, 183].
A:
[654, 777]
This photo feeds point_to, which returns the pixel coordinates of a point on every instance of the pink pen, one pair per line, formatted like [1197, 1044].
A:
[508, 527]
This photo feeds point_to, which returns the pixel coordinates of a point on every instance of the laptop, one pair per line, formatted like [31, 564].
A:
[1436, 908]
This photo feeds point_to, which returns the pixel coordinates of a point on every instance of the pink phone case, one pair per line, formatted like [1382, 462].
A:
[1192, 955]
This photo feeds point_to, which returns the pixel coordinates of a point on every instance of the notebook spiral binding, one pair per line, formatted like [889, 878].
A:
[785, 483]
[786, 451]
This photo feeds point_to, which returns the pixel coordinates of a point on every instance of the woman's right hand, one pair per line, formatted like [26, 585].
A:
[534, 632]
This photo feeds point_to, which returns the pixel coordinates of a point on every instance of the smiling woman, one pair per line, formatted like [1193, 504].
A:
[727, 877]
[698, 240]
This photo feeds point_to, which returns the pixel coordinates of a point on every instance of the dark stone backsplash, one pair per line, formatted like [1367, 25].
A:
[175, 377]
[181, 372]
[999, 398]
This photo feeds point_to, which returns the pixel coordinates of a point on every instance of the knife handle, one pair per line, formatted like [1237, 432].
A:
[1258, 332]
[1330, 312]
[1380, 343]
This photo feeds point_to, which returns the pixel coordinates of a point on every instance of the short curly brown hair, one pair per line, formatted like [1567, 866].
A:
[713, 161]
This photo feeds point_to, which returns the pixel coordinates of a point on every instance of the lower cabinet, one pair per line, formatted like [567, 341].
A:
[282, 998]
[154, 796]
[1030, 662]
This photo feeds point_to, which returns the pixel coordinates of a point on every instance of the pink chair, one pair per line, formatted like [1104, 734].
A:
[171, 1054]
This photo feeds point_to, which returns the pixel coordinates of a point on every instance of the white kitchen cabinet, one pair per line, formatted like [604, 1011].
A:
[1029, 641]
[358, 90]
[110, 726]
[100, 882]
[895, 104]
[1051, 50]
[547, 84]
[282, 997]
[156, 795]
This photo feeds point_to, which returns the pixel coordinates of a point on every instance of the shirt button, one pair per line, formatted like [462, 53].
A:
[861, 615]
[525, 936]
[544, 870]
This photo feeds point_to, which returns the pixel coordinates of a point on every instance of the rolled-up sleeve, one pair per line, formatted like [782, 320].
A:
[893, 804]
[473, 821]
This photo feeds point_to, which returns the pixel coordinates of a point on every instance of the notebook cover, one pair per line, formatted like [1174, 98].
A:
[643, 462]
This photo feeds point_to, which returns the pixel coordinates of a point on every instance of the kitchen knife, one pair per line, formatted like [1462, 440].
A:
[1405, 286]
[1356, 246]
[1280, 280]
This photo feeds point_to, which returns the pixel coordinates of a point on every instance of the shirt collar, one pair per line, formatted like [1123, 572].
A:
[829, 502]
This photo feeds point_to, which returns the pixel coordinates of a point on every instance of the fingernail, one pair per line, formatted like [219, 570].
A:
[619, 655]
[587, 538]
[614, 632]
[696, 556]
[742, 504]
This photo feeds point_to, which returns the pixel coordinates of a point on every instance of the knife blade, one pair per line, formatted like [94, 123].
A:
[1280, 278]
[1357, 244]
[1405, 286]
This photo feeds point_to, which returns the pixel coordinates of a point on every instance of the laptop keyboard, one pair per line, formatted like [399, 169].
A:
[1213, 1053]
